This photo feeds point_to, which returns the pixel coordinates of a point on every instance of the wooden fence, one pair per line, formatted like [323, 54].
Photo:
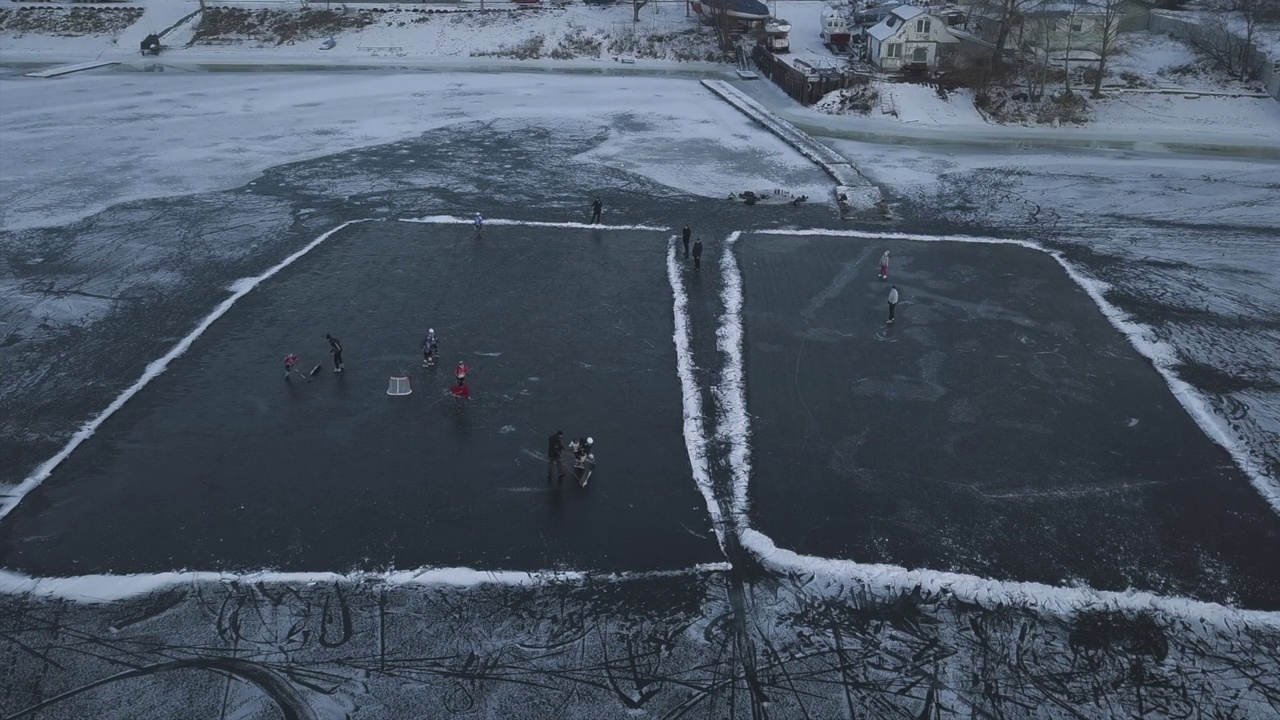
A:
[805, 88]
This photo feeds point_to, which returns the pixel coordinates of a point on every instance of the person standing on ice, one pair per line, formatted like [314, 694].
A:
[884, 265]
[460, 372]
[596, 207]
[335, 349]
[555, 446]
[893, 301]
[697, 254]
[686, 241]
[290, 363]
[429, 348]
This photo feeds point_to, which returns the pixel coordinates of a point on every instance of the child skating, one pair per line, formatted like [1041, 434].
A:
[430, 349]
[884, 265]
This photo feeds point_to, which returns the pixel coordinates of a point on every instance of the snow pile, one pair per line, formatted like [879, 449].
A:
[860, 100]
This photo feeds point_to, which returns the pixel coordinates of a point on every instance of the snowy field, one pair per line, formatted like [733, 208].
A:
[194, 217]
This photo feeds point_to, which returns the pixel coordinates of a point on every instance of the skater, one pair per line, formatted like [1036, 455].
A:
[335, 349]
[429, 348]
[290, 361]
[686, 241]
[461, 391]
[479, 221]
[884, 265]
[697, 254]
[596, 206]
[555, 446]
[582, 457]
[893, 301]
[460, 372]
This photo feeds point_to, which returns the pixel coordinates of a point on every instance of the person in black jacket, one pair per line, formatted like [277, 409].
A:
[555, 446]
[335, 349]
[686, 241]
[697, 254]
[596, 207]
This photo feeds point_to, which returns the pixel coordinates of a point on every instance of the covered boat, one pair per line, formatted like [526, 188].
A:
[737, 9]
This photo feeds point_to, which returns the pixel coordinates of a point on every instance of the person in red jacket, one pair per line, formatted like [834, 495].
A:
[461, 391]
[460, 372]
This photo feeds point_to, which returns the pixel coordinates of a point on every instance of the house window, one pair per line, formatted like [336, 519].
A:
[920, 55]
[1077, 25]
[895, 50]
[922, 26]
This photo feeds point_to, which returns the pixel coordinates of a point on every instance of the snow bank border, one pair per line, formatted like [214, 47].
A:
[695, 436]
[455, 220]
[733, 424]
[893, 580]
[1161, 355]
[93, 589]
[239, 289]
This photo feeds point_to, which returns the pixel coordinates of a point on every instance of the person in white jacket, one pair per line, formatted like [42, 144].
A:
[893, 301]
[884, 265]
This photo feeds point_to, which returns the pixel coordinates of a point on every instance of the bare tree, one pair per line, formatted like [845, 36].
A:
[1108, 33]
[635, 7]
[1227, 35]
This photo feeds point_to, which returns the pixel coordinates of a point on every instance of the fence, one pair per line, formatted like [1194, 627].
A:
[1227, 43]
[804, 88]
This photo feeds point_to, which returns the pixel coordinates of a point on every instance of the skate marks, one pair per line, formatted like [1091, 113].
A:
[665, 646]
[454, 220]
[1162, 355]
[695, 435]
[238, 289]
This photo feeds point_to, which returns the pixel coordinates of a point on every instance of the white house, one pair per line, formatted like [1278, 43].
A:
[909, 37]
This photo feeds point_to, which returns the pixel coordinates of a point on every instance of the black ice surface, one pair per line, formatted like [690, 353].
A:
[222, 464]
[1000, 427]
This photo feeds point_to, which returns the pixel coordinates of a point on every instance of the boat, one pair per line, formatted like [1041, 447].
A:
[748, 10]
[775, 35]
[836, 33]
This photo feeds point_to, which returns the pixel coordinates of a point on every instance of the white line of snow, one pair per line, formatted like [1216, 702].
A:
[867, 235]
[892, 580]
[695, 437]
[1162, 356]
[452, 220]
[239, 289]
[111, 588]
[733, 425]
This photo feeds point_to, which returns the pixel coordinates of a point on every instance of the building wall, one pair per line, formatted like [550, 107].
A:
[909, 39]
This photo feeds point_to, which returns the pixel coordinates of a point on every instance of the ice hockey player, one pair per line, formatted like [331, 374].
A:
[460, 372]
[335, 349]
[430, 348]
[290, 361]
[581, 448]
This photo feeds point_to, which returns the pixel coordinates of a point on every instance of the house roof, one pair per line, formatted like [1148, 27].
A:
[906, 12]
[894, 20]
